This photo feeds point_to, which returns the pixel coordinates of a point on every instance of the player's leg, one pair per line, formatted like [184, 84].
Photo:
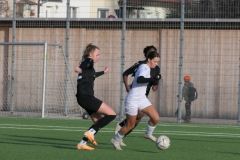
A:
[83, 142]
[131, 110]
[121, 124]
[154, 118]
[109, 115]
[116, 140]
[96, 108]
[139, 117]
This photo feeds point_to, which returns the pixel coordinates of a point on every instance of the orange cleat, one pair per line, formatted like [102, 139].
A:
[90, 137]
[84, 147]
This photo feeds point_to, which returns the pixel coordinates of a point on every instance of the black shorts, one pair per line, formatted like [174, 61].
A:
[90, 103]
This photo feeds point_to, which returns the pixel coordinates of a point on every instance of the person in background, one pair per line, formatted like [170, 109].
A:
[185, 91]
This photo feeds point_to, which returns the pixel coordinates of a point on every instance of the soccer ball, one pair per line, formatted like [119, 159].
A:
[163, 142]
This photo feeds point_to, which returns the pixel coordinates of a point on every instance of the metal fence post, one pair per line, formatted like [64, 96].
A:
[123, 58]
[44, 79]
[181, 61]
[67, 59]
[238, 121]
[13, 57]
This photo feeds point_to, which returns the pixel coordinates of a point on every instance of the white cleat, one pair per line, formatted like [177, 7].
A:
[117, 128]
[121, 143]
[116, 144]
[150, 136]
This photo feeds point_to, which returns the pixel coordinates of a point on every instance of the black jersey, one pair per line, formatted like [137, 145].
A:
[87, 77]
[154, 71]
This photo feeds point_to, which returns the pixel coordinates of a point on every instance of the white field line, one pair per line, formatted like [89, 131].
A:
[159, 125]
[82, 129]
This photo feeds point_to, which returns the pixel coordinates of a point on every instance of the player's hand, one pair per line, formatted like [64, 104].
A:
[106, 69]
[78, 70]
[158, 76]
[128, 87]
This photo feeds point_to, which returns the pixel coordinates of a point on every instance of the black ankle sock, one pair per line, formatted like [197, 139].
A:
[85, 139]
[123, 122]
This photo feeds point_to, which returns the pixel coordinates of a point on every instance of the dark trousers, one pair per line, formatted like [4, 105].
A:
[188, 110]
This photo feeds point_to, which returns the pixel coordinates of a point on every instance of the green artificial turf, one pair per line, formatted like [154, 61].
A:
[43, 139]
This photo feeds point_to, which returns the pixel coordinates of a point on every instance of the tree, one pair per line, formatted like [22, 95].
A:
[6, 9]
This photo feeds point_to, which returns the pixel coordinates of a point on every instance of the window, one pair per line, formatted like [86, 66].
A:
[49, 12]
[103, 12]
[73, 12]
[60, 1]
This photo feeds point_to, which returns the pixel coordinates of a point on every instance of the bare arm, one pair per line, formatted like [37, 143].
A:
[125, 81]
[78, 70]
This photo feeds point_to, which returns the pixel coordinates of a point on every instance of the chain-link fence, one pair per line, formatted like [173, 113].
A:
[199, 38]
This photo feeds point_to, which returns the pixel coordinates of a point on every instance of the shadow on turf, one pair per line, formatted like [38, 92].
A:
[109, 146]
[229, 153]
[44, 141]
[218, 140]
[56, 142]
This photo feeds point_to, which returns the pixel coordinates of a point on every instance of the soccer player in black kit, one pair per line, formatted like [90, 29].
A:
[132, 70]
[86, 99]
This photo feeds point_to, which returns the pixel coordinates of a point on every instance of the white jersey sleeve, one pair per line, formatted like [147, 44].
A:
[136, 95]
[144, 71]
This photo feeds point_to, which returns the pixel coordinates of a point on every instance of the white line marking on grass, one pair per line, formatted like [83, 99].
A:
[20, 125]
[107, 130]
[159, 125]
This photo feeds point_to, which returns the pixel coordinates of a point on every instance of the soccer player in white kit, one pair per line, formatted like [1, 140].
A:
[137, 100]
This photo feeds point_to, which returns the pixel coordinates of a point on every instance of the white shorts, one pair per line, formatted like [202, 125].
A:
[131, 108]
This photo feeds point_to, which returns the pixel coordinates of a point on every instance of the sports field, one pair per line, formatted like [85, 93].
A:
[33, 139]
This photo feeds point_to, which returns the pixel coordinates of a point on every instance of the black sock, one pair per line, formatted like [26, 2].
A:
[123, 122]
[103, 122]
[100, 124]
[85, 139]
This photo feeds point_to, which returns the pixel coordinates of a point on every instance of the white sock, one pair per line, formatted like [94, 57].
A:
[118, 136]
[92, 131]
[82, 142]
[150, 129]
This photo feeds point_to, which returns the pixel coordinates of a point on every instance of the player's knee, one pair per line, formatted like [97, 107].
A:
[130, 126]
[140, 115]
[155, 120]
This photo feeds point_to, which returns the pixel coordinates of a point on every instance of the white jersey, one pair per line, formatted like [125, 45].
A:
[136, 98]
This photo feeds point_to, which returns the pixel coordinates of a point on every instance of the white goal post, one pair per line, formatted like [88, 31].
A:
[34, 83]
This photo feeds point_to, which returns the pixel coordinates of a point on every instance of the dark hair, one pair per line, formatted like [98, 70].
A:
[146, 49]
[152, 55]
[90, 47]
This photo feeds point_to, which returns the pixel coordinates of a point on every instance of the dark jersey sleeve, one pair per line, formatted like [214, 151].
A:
[142, 79]
[157, 81]
[132, 69]
[99, 74]
[86, 63]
